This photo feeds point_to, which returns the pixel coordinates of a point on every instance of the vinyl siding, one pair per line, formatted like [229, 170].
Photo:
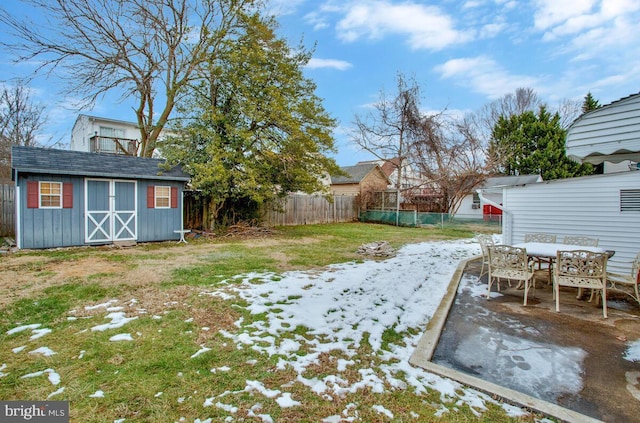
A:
[588, 206]
[608, 130]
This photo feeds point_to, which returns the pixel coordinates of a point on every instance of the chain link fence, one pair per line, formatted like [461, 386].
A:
[411, 218]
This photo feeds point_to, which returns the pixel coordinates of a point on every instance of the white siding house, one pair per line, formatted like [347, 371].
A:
[605, 206]
[472, 204]
[98, 135]
[609, 134]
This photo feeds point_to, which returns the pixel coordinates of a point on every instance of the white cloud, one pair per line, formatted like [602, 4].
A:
[558, 18]
[491, 30]
[328, 63]
[282, 7]
[551, 13]
[472, 4]
[425, 27]
[316, 20]
[483, 75]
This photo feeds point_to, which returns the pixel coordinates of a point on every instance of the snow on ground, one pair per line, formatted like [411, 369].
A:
[118, 319]
[121, 337]
[633, 351]
[342, 303]
[338, 305]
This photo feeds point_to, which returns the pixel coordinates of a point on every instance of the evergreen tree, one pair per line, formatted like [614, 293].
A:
[531, 143]
[255, 129]
[589, 103]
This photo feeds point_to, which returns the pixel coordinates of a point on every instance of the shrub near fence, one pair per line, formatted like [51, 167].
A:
[301, 209]
[7, 210]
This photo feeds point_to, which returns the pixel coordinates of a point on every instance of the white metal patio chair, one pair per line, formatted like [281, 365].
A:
[583, 241]
[541, 237]
[626, 283]
[544, 264]
[485, 241]
[583, 270]
[510, 263]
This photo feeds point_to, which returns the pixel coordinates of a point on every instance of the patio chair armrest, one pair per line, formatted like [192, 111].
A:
[619, 278]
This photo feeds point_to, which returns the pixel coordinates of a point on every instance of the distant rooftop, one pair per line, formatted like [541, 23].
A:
[356, 173]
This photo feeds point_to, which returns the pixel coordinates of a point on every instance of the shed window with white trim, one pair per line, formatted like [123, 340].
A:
[476, 201]
[163, 197]
[50, 195]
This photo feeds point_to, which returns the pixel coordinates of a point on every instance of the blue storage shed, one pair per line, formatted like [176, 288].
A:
[70, 198]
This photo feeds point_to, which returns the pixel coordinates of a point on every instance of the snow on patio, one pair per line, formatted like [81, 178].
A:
[338, 304]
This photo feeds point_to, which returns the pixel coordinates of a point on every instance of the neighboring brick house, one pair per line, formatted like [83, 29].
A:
[362, 180]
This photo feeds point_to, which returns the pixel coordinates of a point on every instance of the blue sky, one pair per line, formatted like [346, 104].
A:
[463, 54]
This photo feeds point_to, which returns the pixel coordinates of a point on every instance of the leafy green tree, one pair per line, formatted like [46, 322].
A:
[254, 130]
[531, 143]
[589, 103]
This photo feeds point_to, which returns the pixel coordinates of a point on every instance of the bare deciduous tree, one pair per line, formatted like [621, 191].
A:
[386, 131]
[450, 158]
[447, 155]
[569, 110]
[149, 49]
[20, 121]
[483, 121]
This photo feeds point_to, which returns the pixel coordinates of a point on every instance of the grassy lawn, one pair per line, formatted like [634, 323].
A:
[178, 354]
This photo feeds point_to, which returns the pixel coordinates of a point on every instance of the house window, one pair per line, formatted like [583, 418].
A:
[162, 197]
[50, 195]
[476, 201]
[105, 131]
[107, 145]
[629, 200]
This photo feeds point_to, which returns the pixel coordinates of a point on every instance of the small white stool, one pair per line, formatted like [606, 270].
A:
[182, 232]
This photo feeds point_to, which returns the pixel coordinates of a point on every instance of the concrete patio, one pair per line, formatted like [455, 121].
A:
[568, 365]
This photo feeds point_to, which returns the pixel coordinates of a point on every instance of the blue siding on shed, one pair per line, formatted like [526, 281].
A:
[158, 224]
[48, 228]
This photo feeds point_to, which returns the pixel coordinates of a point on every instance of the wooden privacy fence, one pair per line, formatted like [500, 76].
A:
[302, 209]
[7, 210]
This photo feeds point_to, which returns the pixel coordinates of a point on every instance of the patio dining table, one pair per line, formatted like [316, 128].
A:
[549, 250]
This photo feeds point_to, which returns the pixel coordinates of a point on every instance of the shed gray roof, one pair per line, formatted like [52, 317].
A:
[80, 163]
[356, 173]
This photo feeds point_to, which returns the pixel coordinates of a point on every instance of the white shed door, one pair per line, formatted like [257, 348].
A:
[110, 210]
